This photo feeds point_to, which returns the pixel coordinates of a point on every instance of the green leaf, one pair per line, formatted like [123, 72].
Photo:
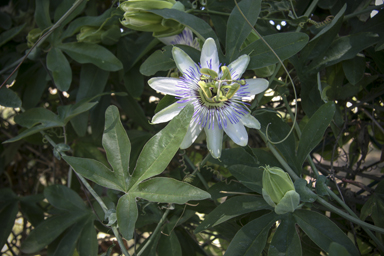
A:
[169, 245]
[58, 64]
[131, 52]
[336, 249]
[161, 148]
[127, 213]
[231, 208]
[42, 18]
[8, 211]
[134, 111]
[323, 231]
[63, 8]
[64, 198]
[314, 130]
[9, 98]
[92, 53]
[374, 207]
[36, 85]
[237, 27]
[344, 48]
[167, 190]
[67, 243]
[248, 176]
[87, 243]
[234, 156]
[9, 34]
[30, 118]
[284, 44]
[321, 42]
[95, 21]
[30, 207]
[285, 241]
[35, 116]
[92, 83]
[117, 145]
[95, 171]
[198, 26]
[48, 231]
[251, 239]
[134, 81]
[162, 60]
[354, 69]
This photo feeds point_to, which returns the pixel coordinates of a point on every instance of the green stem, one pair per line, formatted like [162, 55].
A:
[208, 11]
[196, 169]
[43, 37]
[282, 162]
[94, 194]
[308, 12]
[349, 217]
[366, 229]
[157, 229]
[120, 241]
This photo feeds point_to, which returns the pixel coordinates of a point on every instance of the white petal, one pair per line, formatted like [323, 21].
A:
[168, 113]
[183, 62]
[214, 140]
[209, 57]
[193, 132]
[237, 133]
[250, 121]
[256, 86]
[167, 85]
[239, 66]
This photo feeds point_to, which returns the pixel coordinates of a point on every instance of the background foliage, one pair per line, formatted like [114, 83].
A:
[82, 101]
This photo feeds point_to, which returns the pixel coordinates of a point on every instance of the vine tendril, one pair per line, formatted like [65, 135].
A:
[286, 71]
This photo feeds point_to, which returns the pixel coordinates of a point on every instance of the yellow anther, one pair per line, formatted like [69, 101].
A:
[231, 92]
[226, 73]
[209, 72]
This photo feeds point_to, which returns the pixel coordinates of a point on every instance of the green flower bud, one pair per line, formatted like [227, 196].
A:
[89, 34]
[33, 36]
[136, 17]
[278, 190]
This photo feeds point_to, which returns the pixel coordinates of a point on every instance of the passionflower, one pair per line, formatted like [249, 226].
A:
[216, 92]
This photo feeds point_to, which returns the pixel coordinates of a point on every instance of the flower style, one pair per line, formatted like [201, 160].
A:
[216, 93]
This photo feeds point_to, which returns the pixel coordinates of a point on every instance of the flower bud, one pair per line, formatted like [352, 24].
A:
[33, 36]
[136, 17]
[89, 34]
[278, 190]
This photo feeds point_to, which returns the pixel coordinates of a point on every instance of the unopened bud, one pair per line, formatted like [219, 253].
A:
[279, 191]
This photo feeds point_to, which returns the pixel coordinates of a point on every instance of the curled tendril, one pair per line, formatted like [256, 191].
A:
[286, 71]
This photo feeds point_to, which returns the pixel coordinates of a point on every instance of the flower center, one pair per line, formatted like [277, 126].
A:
[215, 91]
